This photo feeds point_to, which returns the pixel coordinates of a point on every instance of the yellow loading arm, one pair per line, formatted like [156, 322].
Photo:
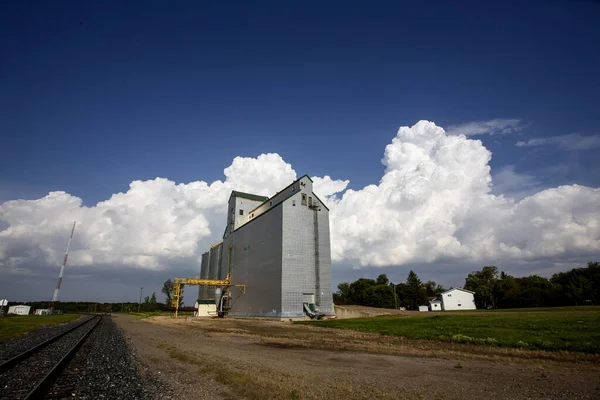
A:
[177, 282]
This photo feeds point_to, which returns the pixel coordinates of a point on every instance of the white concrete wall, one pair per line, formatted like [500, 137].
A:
[458, 300]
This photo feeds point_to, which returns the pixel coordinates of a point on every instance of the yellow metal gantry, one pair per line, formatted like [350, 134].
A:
[177, 282]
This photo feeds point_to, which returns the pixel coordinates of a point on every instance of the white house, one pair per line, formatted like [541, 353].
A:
[19, 310]
[457, 299]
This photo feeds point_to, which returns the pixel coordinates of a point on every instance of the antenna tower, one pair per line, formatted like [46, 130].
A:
[62, 270]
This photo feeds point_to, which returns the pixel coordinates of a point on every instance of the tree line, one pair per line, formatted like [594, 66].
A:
[493, 289]
[382, 293]
[149, 304]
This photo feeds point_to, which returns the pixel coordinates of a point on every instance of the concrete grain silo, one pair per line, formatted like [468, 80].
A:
[203, 292]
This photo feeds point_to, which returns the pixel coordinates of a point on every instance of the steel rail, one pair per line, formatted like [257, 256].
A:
[42, 388]
[28, 353]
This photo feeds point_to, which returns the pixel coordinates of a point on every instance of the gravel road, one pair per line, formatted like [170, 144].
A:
[236, 358]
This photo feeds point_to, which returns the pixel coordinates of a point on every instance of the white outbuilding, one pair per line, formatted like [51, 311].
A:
[435, 305]
[19, 310]
[457, 299]
[205, 308]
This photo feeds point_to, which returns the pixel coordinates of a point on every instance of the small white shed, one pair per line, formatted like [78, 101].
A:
[19, 310]
[41, 311]
[457, 299]
[435, 305]
[205, 308]
[423, 308]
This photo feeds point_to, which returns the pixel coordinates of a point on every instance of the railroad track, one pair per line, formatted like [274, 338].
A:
[20, 376]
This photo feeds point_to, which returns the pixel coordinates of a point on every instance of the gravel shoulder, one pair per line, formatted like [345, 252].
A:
[260, 359]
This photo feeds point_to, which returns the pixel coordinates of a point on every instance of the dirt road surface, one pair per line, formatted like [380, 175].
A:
[260, 359]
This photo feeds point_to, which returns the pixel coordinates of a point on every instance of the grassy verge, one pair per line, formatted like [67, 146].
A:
[570, 329]
[15, 325]
[591, 309]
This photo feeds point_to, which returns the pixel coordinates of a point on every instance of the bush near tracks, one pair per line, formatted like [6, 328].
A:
[14, 325]
[566, 328]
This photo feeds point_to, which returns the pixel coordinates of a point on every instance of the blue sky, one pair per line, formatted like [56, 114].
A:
[95, 95]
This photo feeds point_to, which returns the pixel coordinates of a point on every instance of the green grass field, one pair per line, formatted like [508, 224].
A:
[553, 329]
[14, 325]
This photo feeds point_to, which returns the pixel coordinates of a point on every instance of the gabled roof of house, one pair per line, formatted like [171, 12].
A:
[248, 196]
[435, 300]
[457, 288]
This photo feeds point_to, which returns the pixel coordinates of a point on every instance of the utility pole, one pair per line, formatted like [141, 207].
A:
[395, 298]
[140, 303]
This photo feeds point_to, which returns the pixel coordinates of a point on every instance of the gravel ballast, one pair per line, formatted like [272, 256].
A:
[18, 381]
[12, 347]
[103, 368]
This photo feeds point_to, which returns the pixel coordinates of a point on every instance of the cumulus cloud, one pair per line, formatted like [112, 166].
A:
[152, 225]
[573, 141]
[434, 203]
[263, 175]
[492, 127]
[328, 188]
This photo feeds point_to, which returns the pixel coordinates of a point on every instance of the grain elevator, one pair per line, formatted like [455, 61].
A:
[279, 248]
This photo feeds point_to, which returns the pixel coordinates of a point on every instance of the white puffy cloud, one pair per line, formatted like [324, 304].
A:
[434, 202]
[500, 126]
[328, 188]
[153, 224]
[263, 175]
[572, 141]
